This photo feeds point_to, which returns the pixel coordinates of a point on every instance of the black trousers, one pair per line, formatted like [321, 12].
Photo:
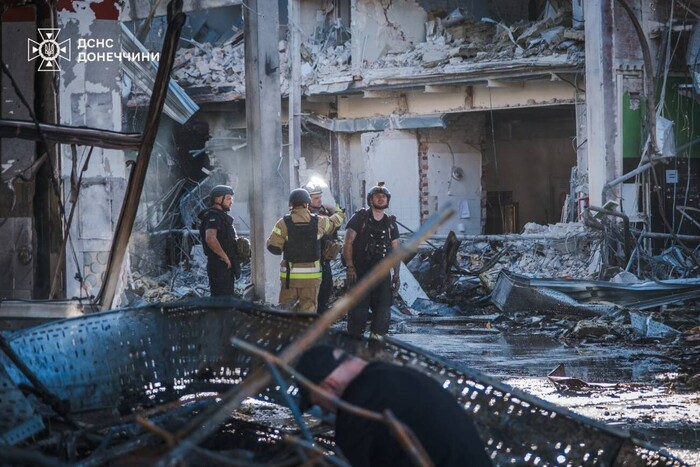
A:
[221, 278]
[379, 300]
[326, 290]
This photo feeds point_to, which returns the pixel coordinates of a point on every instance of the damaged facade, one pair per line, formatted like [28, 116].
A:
[562, 132]
[489, 106]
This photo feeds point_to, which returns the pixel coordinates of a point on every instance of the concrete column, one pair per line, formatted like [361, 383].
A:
[294, 109]
[601, 104]
[90, 94]
[269, 189]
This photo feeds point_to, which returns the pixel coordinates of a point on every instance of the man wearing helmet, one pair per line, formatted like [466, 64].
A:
[219, 242]
[297, 237]
[328, 246]
[370, 236]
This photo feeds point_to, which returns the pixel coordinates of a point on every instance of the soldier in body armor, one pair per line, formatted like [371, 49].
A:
[297, 237]
[370, 236]
[219, 241]
[330, 245]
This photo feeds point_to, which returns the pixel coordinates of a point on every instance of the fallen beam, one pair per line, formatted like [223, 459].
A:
[82, 136]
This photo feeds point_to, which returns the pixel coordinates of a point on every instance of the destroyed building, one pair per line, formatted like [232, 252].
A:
[487, 105]
[562, 132]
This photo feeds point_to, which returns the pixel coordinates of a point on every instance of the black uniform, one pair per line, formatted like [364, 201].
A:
[326, 289]
[221, 278]
[435, 417]
[371, 245]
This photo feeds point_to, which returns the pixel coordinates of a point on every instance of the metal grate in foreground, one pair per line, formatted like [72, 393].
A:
[131, 358]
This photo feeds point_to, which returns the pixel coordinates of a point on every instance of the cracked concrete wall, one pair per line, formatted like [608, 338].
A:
[381, 26]
[390, 156]
[90, 94]
[17, 232]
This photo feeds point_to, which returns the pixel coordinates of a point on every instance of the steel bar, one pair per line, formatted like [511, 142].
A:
[66, 229]
[663, 236]
[282, 384]
[209, 420]
[176, 19]
[625, 226]
[81, 136]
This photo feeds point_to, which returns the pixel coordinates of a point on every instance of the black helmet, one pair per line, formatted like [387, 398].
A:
[219, 190]
[380, 188]
[298, 197]
[313, 189]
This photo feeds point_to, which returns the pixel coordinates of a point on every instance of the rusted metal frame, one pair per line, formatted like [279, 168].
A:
[176, 19]
[209, 420]
[403, 434]
[82, 136]
[66, 229]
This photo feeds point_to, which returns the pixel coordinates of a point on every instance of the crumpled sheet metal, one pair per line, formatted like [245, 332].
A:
[627, 295]
[158, 353]
[512, 294]
[149, 355]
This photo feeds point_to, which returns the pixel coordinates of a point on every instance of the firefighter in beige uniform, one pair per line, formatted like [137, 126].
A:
[297, 237]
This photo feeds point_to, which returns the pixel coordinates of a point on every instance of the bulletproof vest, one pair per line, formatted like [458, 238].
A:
[374, 241]
[302, 244]
[226, 235]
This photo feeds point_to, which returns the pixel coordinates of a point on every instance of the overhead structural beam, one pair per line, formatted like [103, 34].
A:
[176, 19]
[81, 136]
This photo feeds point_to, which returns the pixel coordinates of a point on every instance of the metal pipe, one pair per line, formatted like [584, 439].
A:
[176, 19]
[81, 136]
[625, 226]
[635, 172]
[663, 236]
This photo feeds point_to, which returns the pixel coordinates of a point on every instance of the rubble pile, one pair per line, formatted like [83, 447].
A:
[457, 39]
[187, 280]
[209, 65]
[563, 250]
[460, 38]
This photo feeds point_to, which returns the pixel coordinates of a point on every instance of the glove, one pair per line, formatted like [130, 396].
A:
[339, 209]
[395, 283]
[350, 277]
